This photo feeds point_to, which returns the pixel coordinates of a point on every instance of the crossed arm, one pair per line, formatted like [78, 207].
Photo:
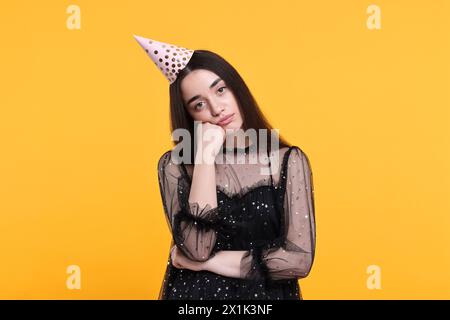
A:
[226, 263]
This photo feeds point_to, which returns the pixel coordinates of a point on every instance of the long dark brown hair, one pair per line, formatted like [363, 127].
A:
[252, 116]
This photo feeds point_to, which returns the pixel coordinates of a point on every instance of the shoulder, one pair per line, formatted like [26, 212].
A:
[291, 153]
[284, 157]
[164, 158]
[167, 163]
[295, 157]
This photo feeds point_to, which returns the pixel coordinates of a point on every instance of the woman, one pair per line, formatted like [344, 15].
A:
[238, 232]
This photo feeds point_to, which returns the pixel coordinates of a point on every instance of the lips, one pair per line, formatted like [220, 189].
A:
[226, 120]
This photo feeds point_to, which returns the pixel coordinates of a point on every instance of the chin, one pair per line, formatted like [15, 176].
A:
[232, 126]
[235, 126]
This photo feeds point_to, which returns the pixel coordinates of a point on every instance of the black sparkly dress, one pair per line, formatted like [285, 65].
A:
[265, 208]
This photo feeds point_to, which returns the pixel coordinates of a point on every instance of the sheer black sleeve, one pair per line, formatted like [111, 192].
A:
[192, 226]
[292, 254]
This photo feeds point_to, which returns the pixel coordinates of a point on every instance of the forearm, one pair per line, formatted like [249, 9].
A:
[203, 187]
[226, 263]
[197, 244]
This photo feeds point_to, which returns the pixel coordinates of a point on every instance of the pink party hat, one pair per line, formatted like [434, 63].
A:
[169, 58]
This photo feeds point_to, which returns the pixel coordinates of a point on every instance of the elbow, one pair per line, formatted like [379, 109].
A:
[196, 254]
[201, 257]
[296, 267]
[305, 267]
[299, 267]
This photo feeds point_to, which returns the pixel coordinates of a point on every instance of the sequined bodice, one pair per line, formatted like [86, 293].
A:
[249, 219]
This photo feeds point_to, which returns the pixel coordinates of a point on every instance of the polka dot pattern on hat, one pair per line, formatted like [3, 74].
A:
[170, 59]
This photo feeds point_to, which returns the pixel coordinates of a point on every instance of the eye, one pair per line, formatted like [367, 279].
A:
[198, 107]
[221, 88]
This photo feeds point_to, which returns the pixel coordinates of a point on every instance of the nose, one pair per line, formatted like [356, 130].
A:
[216, 109]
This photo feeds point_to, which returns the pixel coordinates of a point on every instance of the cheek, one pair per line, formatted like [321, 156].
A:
[238, 112]
[236, 108]
[199, 116]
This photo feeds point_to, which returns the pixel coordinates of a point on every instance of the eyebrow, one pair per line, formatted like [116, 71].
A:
[198, 96]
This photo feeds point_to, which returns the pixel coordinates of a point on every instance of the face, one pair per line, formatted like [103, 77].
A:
[208, 99]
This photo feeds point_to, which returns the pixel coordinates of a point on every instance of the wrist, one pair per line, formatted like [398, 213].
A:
[209, 264]
[205, 158]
